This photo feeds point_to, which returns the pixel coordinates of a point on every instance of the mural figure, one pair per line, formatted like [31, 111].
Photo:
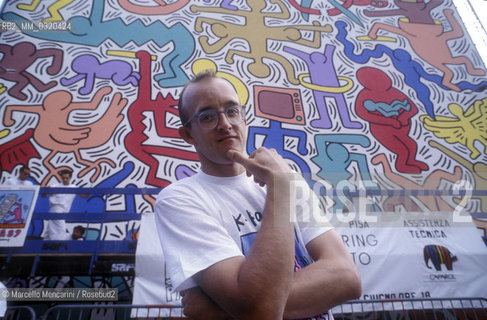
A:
[389, 114]
[432, 182]
[93, 31]
[478, 171]
[54, 132]
[162, 7]
[257, 33]
[89, 68]
[325, 84]
[466, 128]
[334, 159]
[416, 11]
[17, 151]
[275, 136]
[412, 71]
[348, 3]
[53, 9]
[136, 140]
[429, 42]
[305, 8]
[18, 58]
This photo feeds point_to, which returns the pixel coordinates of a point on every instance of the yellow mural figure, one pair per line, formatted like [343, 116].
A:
[478, 170]
[54, 132]
[429, 42]
[465, 128]
[53, 9]
[257, 34]
[206, 64]
[432, 182]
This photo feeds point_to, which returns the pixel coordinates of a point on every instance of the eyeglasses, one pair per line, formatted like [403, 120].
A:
[208, 119]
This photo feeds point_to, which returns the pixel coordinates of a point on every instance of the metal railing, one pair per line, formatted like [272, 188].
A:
[414, 309]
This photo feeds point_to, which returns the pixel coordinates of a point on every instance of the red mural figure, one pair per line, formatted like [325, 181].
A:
[55, 132]
[348, 3]
[17, 151]
[18, 58]
[389, 113]
[136, 140]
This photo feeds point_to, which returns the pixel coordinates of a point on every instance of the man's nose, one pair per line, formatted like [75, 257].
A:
[223, 122]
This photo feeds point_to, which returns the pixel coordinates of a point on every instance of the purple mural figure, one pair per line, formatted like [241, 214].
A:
[89, 68]
[325, 84]
[226, 4]
[15, 63]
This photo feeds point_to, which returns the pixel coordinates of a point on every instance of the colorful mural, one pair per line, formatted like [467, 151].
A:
[374, 95]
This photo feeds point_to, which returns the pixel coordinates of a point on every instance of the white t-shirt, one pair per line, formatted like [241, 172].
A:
[61, 202]
[15, 181]
[203, 219]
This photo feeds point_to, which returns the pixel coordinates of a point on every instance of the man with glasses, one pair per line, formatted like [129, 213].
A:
[231, 246]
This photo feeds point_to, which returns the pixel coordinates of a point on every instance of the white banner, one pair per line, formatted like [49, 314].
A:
[400, 256]
[152, 285]
[417, 256]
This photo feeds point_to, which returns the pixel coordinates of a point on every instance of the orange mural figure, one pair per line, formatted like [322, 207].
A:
[465, 128]
[431, 182]
[429, 42]
[478, 170]
[257, 34]
[55, 132]
[162, 7]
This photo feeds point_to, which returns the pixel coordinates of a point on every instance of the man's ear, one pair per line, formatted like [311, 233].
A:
[185, 133]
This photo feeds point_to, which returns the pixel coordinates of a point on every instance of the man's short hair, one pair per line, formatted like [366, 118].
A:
[81, 229]
[66, 171]
[206, 74]
[24, 168]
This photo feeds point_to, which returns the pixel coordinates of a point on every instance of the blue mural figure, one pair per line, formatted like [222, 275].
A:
[325, 84]
[401, 59]
[334, 159]
[275, 136]
[93, 31]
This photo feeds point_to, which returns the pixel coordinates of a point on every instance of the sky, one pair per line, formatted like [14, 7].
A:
[474, 16]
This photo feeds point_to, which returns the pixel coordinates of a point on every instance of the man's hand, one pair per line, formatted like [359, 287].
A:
[197, 305]
[264, 164]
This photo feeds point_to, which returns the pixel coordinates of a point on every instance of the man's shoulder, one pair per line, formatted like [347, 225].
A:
[181, 186]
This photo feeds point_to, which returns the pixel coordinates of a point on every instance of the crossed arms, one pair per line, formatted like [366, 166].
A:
[263, 285]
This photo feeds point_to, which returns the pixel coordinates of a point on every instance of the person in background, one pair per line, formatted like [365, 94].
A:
[78, 233]
[21, 179]
[233, 243]
[60, 203]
